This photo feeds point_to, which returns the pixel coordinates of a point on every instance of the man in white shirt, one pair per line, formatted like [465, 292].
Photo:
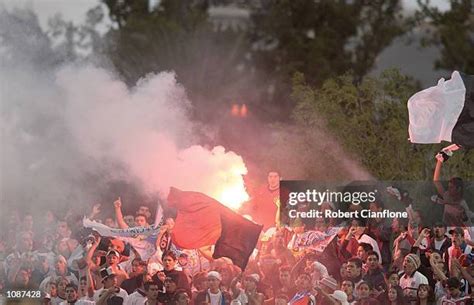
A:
[213, 295]
[411, 278]
[440, 241]
[110, 289]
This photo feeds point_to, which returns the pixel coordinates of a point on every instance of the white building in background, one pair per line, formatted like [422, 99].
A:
[229, 17]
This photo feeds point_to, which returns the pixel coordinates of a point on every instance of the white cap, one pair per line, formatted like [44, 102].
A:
[323, 271]
[215, 274]
[255, 277]
[341, 296]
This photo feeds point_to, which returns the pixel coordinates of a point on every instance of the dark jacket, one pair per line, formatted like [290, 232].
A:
[376, 279]
[131, 284]
[444, 247]
[167, 298]
[180, 278]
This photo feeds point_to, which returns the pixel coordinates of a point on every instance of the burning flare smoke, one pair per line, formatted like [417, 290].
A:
[144, 129]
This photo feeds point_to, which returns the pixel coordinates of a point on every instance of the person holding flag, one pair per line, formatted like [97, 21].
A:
[456, 211]
[264, 206]
[144, 245]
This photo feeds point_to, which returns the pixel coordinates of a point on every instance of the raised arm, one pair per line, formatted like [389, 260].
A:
[255, 298]
[206, 252]
[118, 214]
[90, 253]
[425, 233]
[437, 175]
[90, 282]
[95, 211]
[15, 265]
[233, 286]
[163, 231]
[463, 270]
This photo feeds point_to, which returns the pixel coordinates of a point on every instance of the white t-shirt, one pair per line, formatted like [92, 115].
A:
[215, 298]
[242, 297]
[136, 298]
[143, 246]
[57, 301]
[410, 284]
[438, 244]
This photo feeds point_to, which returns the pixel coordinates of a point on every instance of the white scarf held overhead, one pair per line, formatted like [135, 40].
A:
[104, 230]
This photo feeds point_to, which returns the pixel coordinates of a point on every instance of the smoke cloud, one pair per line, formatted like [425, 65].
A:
[70, 130]
[74, 134]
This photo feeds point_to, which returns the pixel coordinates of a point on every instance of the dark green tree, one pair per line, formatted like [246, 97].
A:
[178, 36]
[321, 39]
[452, 31]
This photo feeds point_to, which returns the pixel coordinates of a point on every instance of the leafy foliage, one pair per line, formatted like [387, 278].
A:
[178, 36]
[322, 39]
[453, 31]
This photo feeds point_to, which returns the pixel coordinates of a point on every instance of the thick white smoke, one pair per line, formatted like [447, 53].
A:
[145, 128]
[91, 116]
[69, 129]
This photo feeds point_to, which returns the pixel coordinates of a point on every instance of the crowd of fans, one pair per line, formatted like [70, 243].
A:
[379, 261]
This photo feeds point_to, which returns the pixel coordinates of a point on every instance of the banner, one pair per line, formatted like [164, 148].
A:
[316, 240]
[129, 232]
[104, 230]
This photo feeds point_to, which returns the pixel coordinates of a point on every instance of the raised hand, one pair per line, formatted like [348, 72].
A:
[96, 209]
[118, 203]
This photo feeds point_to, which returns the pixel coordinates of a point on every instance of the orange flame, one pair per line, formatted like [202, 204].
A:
[232, 196]
[235, 110]
[243, 111]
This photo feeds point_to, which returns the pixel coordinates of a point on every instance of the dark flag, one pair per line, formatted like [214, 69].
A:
[198, 221]
[463, 131]
[238, 238]
[444, 112]
[203, 221]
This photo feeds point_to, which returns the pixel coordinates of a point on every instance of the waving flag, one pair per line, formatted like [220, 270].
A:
[444, 112]
[316, 240]
[203, 221]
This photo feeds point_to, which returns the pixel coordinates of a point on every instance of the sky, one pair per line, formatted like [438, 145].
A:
[71, 10]
[74, 10]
